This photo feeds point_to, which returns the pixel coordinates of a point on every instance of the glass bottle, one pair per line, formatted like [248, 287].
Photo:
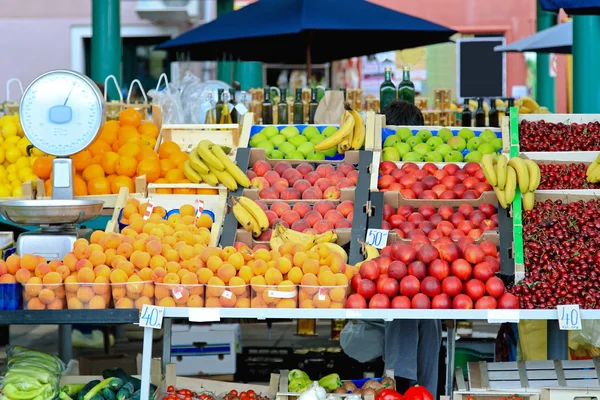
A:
[511, 103]
[233, 111]
[312, 106]
[493, 120]
[467, 116]
[406, 89]
[226, 113]
[479, 113]
[387, 90]
[298, 108]
[267, 108]
[210, 113]
[219, 106]
[344, 91]
[282, 108]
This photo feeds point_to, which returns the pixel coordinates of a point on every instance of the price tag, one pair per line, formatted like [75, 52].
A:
[151, 316]
[377, 238]
[204, 314]
[177, 292]
[241, 108]
[569, 318]
[227, 294]
[277, 294]
[149, 210]
[501, 316]
[353, 314]
[322, 293]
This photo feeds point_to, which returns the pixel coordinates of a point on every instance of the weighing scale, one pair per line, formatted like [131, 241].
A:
[61, 113]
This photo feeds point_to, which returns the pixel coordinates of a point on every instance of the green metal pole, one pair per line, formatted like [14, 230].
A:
[106, 41]
[586, 64]
[544, 83]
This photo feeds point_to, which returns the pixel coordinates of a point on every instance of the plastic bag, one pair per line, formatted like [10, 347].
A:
[191, 98]
[363, 341]
[169, 101]
[588, 336]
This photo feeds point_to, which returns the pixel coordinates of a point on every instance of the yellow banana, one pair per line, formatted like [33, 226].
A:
[528, 201]
[190, 173]
[208, 157]
[307, 240]
[529, 103]
[257, 212]
[196, 163]
[487, 165]
[598, 158]
[501, 171]
[328, 236]
[243, 216]
[210, 179]
[358, 138]
[534, 174]
[522, 174]
[344, 145]
[225, 179]
[275, 242]
[336, 248]
[346, 129]
[511, 185]
[591, 170]
[370, 251]
[230, 166]
[501, 196]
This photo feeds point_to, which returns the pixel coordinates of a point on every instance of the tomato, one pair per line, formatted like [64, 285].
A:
[187, 398]
[203, 396]
[251, 393]
[171, 389]
[233, 393]
[471, 398]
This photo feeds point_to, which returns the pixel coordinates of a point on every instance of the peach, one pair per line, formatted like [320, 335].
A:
[312, 177]
[323, 207]
[332, 193]
[259, 183]
[323, 226]
[291, 175]
[7, 278]
[261, 167]
[304, 168]
[301, 185]
[281, 167]
[325, 169]
[23, 275]
[251, 174]
[343, 223]
[345, 168]
[323, 184]
[345, 207]
[312, 194]
[312, 231]
[312, 217]
[265, 236]
[345, 183]
[301, 225]
[333, 216]
[290, 194]
[280, 185]
[268, 193]
[41, 270]
[271, 176]
[262, 205]
[301, 209]
[335, 177]
[282, 222]
[279, 207]
[353, 176]
[271, 216]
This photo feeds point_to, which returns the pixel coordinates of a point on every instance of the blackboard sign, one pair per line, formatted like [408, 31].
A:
[481, 71]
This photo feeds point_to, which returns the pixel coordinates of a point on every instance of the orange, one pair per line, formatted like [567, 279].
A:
[167, 148]
[99, 185]
[150, 168]
[48, 187]
[178, 158]
[147, 153]
[42, 167]
[131, 117]
[81, 160]
[111, 178]
[126, 166]
[120, 181]
[149, 141]
[163, 190]
[129, 149]
[126, 134]
[92, 171]
[148, 129]
[79, 187]
[109, 131]
[165, 166]
[99, 147]
[174, 175]
[109, 161]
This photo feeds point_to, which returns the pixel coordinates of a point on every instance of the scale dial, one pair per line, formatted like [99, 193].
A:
[62, 112]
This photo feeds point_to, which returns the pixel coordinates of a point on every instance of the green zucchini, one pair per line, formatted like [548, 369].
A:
[87, 388]
[114, 373]
[108, 394]
[137, 395]
[116, 384]
[125, 391]
[97, 396]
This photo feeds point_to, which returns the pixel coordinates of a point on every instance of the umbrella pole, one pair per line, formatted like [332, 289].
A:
[308, 61]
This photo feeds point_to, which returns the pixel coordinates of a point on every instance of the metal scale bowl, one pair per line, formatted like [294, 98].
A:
[61, 112]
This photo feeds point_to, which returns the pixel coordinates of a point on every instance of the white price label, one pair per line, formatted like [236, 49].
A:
[241, 108]
[277, 294]
[353, 314]
[322, 293]
[177, 292]
[569, 318]
[151, 316]
[204, 314]
[501, 316]
[377, 238]
[227, 294]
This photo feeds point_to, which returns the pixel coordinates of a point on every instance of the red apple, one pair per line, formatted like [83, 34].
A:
[475, 289]
[386, 167]
[401, 302]
[366, 288]
[430, 286]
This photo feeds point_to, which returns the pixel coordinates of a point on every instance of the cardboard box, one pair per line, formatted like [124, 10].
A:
[96, 364]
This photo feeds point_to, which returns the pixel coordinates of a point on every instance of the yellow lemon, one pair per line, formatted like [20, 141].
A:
[16, 183]
[12, 155]
[11, 140]
[2, 154]
[36, 152]
[17, 191]
[23, 162]
[12, 176]
[4, 119]
[11, 169]
[10, 129]
[5, 191]
[24, 173]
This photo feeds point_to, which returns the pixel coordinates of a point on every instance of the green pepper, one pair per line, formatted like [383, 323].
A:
[14, 393]
[330, 382]
[73, 389]
[64, 396]
[298, 385]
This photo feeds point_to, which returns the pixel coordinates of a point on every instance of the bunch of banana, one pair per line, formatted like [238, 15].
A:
[351, 134]
[592, 174]
[369, 251]
[250, 216]
[283, 235]
[505, 175]
[209, 163]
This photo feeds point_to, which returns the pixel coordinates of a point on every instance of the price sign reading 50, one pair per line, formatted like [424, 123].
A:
[569, 318]
[377, 238]
[151, 316]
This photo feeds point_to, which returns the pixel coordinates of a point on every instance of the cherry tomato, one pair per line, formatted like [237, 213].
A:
[251, 393]
[233, 393]
[187, 398]
[171, 389]
[203, 396]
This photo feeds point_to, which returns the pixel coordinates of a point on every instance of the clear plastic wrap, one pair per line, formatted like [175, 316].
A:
[588, 336]
[169, 101]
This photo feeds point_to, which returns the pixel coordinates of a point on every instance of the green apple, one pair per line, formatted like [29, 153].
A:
[331, 152]
[290, 132]
[404, 133]
[421, 148]
[473, 143]
[445, 134]
[316, 155]
[457, 143]
[390, 154]
[390, 141]
[330, 130]
[276, 154]
[424, 134]
[268, 146]
[317, 139]
[466, 133]
[306, 148]
[297, 140]
[453, 156]
[310, 132]
[434, 141]
[412, 156]
[294, 155]
[402, 148]
[443, 149]
[474, 156]
[269, 131]
[497, 143]
[413, 141]
[487, 136]
[277, 140]
[486, 148]
[286, 147]
[256, 139]
[433, 156]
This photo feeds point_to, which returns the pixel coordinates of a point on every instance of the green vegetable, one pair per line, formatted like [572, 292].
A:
[97, 396]
[108, 394]
[298, 373]
[64, 396]
[137, 395]
[72, 389]
[298, 385]
[330, 382]
[12, 392]
[126, 391]
[96, 389]
[116, 384]
[87, 388]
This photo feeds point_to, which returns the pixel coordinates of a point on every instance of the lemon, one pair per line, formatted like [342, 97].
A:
[24, 173]
[10, 129]
[5, 191]
[32, 159]
[16, 183]
[11, 169]
[36, 152]
[2, 155]
[12, 154]
[17, 192]
[4, 120]
[12, 176]
[12, 140]
[23, 162]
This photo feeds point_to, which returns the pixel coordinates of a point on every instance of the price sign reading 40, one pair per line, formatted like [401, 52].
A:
[569, 317]
[151, 316]
[377, 238]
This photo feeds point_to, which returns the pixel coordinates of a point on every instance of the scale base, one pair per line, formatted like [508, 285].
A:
[51, 246]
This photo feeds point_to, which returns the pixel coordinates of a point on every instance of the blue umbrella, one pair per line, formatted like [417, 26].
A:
[305, 31]
[576, 7]
[558, 39]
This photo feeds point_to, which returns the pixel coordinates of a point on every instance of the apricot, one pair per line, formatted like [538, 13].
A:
[309, 283]
[86, 275]
[238, 286]
[158, 275]
[226, 272]
[195, 301]
[74, 303]
[172, 279]
[172, 267]
[269, 300]
[124, 302]
[307, 304]
[259, 267]
[83, 263]
[141, 301]
[204, 275]
[283, 265]
[23, 275]
[246, 273]
[13, 263]
[167, 302]
[227, 299]
[101, 285]
[97, 303]
[140, 259]
[127, 267]
[214, 287]
[194, 265]
[52, 278]
[81, 251]
[46, 296]
[28, 261]
[337, 294]
[326, 278]
[71, 284]
[85, 293]
[57, 304]
[148, 290]
[295, 275]
[287, 303]
[118, 276]
[258, 283]
[145, 274]
[189, 279]
[257, 302]
[311, 266]
[180, 294]
[35, 304]
[112, 241]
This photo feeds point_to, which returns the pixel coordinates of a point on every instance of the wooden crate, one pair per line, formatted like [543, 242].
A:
[494, 395]
[28, 190]
[570, 394]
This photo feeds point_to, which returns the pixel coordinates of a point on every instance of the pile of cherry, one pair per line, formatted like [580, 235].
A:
[562, 262]
[548, 136]
[564, 177]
